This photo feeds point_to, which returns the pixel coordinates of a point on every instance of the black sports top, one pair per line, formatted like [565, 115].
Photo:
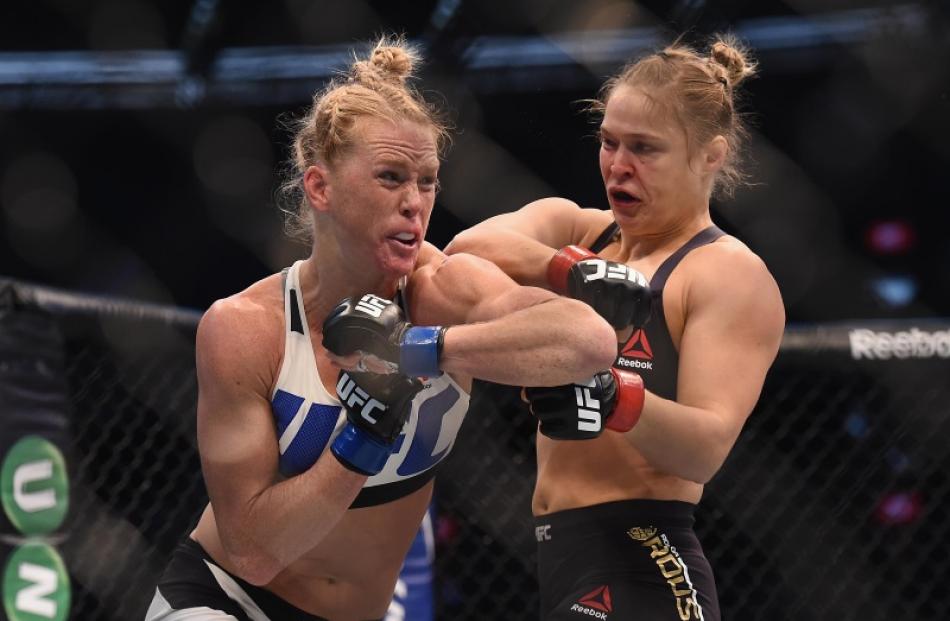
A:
[650, 351]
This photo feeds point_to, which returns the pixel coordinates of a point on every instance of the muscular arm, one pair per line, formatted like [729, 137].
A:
[264, 524]
[522, 243]
[505, 333]
[733, 327]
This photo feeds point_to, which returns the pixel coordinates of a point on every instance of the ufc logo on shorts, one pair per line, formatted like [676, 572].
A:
[354, 396]
[543, 532]
[588, 408]
[372, 305]
[614, 271]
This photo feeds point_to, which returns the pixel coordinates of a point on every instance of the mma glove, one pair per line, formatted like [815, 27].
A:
[619, 293]
[611, 399]
[377, 407]
[375, 326]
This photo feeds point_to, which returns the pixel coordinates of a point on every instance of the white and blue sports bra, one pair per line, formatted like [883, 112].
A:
[308, 417]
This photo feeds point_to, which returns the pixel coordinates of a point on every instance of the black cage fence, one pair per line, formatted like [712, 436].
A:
[833, 504]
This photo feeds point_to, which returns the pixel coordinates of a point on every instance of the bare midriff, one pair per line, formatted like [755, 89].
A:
[351, 574]
[590, 472]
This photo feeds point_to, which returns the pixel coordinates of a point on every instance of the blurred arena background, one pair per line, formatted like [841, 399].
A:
[140, 148]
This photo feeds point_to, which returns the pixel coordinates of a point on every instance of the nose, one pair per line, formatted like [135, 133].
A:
[412, 201]
[620, 165]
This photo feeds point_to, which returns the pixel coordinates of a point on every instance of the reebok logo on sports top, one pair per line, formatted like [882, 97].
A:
[595, 604]
[637, 353]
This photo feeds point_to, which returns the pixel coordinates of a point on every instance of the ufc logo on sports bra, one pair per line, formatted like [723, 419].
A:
[588, 408]
[372, 305]
[355, 396]
[614, 271]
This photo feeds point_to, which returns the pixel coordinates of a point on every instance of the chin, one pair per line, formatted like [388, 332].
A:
[627, 215]
[397, 267]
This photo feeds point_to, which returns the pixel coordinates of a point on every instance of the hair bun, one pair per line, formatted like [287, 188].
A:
[391, 61]
[733, 58]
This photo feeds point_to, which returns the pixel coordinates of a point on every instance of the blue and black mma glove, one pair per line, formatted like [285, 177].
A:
[377, 407]
[375, 326]
[619, 293]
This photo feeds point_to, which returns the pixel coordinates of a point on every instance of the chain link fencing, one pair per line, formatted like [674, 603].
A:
[833, 504]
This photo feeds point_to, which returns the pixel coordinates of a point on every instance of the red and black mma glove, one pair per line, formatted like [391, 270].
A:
[619, 293]
[376, 326]
[377, 407]
[611, 399]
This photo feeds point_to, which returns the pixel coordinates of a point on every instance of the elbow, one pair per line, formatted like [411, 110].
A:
[704, 470]
[702, 475]
[255, 566]
[460, 243]
[599, 342]
[257, 570]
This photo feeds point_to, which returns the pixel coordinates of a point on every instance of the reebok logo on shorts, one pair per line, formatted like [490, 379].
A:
[636, 352]
[595, 604]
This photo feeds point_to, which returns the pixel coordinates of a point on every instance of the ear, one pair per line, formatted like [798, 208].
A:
[714, 154]
[316, 186]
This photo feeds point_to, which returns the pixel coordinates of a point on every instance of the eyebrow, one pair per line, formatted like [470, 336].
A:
[629, 135]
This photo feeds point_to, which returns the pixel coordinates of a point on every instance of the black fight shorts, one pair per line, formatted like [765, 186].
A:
[631, 560]
[194, 588]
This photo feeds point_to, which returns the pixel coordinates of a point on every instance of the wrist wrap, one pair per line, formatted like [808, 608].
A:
[629, 403]
[420, 351]
[561, 264]
[359, 451]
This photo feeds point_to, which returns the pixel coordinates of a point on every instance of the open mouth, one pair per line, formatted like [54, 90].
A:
[621, 197]
[406, 239]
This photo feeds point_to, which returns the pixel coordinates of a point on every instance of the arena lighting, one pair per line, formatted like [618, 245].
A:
[899, 508]
[281, 75]
[890, 237]
[895, 291]
[856, 425]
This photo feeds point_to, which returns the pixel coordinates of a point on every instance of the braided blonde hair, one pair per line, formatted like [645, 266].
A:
[377, 86]
[700, 91]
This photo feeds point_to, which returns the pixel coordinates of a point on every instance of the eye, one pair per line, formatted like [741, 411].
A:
[429, 184]
[642, 147]
[606, 142]
[390, 176]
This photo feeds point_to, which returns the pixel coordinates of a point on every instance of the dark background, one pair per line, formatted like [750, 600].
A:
[142, 141]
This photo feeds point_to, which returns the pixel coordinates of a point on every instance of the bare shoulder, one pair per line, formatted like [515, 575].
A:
[591, 223]
[443, 287]
[241, 335]
[585, 223]
[727, 271]
[432, 260]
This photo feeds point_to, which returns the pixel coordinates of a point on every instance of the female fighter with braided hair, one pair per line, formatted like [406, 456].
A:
[319, 478]
[614, 514]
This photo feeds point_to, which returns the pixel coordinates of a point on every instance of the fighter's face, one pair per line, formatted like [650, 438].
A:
[648, 172]
[382, 191]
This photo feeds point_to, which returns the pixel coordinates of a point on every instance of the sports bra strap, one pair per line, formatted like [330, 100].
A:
[604, 238]
[702, 238]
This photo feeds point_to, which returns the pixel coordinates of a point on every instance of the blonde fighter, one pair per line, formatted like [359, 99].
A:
[313, 505]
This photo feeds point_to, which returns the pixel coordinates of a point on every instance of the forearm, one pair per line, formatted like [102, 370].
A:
[280, 524]
[687, 442]
[523, 258]
[548, 344]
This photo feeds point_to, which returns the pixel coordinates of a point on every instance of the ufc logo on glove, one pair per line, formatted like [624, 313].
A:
[612, 271]
[354, 396]
[372, 305]
[588, 408]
